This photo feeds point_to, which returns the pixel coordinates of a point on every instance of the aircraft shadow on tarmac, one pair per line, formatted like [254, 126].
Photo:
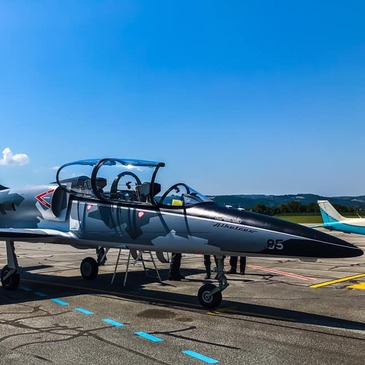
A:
[63, 287]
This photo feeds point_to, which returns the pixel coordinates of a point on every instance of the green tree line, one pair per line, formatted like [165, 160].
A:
[295, 207]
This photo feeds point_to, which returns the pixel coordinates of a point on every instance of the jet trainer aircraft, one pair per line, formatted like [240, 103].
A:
[333, 220]
[117, 203]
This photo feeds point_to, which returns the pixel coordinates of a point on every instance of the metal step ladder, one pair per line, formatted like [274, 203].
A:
[136, 258]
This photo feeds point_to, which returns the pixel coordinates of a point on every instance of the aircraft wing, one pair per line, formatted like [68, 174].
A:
[35, 235]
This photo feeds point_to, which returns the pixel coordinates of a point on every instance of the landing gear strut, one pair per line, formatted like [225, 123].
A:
[10, 273]
[101, 254]
[209, 295]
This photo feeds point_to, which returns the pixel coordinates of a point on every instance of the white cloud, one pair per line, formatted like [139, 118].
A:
[18, 159]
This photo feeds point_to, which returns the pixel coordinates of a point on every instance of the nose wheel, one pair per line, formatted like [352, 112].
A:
[210, 295]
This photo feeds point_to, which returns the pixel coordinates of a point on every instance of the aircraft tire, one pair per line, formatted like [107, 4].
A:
[208, 300]
[12, 282]
[89, 268]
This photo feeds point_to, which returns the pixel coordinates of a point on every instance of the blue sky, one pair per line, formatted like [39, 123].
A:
[237, 97]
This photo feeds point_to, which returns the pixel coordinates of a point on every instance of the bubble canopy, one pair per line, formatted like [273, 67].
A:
[123, 181]
[108, 178]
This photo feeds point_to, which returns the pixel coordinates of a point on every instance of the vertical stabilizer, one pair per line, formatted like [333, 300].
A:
[328, 212]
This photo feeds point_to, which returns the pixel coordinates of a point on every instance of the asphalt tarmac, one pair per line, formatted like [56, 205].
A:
[282, 311]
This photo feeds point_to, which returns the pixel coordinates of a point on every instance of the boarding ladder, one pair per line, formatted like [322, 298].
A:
[137, 256]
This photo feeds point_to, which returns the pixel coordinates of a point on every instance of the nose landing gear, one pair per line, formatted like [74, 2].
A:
[209, 295]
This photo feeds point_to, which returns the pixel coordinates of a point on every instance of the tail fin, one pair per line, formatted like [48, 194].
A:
[3, 187]
[328, 212]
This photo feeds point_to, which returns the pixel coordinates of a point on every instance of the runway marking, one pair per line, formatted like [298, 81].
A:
[360, 286]
[25, 288]
[59, 301]
[40, 294]
[84, 311]
[301, 277]
[113, 323]
[118, 294]
[201, 357]
[151, 300]
[326, 283]
[149, 337]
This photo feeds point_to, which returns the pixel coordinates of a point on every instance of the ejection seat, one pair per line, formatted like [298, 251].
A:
[143, 191]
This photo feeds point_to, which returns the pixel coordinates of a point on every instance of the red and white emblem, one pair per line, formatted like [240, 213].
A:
[140, 214]
[40, 197]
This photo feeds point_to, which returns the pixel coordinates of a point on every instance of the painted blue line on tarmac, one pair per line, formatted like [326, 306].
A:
[112, 322]
[148, 336]
[84, 311]
[201, 357]
[25, 288]
[40, 294]
[59, 301]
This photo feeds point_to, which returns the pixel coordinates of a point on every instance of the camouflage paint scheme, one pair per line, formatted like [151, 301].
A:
[73, 211]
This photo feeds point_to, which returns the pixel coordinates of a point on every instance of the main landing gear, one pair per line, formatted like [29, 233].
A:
[89, 267]
[10, 277]
[209, 295]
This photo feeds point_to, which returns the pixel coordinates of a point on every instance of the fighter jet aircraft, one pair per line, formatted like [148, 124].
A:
[117, 203]
[333, 220]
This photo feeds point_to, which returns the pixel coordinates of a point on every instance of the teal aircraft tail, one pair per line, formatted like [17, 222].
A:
[328, 212]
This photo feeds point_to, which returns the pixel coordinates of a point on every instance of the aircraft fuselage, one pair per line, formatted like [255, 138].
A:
[205, 228]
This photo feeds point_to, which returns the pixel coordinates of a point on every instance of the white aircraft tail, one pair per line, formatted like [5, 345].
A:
[328, 212]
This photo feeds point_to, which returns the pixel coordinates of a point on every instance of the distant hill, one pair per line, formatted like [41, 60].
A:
[248, 201]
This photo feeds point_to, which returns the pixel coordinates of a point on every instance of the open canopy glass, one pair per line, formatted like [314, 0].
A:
[124, 181]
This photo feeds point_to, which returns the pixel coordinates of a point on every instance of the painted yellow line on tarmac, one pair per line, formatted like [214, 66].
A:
[360, 286]
[326, 283]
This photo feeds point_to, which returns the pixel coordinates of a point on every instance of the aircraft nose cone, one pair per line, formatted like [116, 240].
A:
[299, 240]
[245, 231]
[321, 247]
[357, 252]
